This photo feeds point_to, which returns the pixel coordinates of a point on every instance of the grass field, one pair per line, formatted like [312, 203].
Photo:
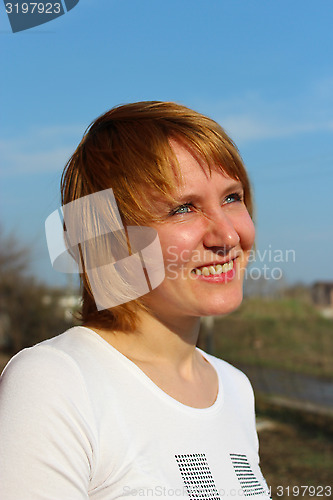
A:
[288, 334]
[296, 461]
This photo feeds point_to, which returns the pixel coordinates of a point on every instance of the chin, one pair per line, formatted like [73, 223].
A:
[222, 305]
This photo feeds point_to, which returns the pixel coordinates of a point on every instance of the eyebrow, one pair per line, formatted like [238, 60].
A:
[233, 186]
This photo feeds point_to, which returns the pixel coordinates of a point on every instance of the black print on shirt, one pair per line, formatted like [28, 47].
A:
[197, 476]
[249, 483]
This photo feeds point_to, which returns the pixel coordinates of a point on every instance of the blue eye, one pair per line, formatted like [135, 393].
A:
[183, 209]
[233, 197]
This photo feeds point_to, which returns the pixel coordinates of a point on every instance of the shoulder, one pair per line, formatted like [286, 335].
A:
[48, 427]
[43, 370]
[225, 367]
[63, 351]
[43, 357]
[233, 378]
[42, 389]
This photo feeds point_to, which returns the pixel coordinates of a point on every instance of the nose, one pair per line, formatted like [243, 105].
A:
[221, 232]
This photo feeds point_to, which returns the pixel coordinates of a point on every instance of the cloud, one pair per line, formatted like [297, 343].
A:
[253, 116]
[247, 127]
[40, 150]
[38, 162]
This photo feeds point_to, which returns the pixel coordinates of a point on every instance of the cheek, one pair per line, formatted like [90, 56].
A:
[179, 243]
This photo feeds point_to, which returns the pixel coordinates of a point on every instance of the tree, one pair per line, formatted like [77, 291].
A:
[25, 316]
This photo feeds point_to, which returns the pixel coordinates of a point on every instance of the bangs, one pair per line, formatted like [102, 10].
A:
[141, 172]
[128, 149]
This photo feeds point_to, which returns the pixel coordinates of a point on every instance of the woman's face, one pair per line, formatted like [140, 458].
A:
[206, 238]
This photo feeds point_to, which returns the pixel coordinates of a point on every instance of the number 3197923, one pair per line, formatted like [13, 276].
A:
[33, 8]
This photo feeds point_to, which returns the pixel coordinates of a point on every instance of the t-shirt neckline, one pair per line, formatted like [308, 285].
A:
[148, 382]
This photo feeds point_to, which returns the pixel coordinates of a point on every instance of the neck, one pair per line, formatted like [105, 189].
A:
[169, 338]
[170, 341]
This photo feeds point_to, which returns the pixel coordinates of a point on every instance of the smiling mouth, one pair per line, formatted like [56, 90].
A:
[213, 270]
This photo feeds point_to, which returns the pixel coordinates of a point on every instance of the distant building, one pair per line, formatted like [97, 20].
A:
[322, 293]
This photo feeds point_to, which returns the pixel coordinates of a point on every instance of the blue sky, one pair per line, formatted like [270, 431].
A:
[262, 69]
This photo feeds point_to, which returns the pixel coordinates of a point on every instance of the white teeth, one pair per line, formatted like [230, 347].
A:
[212, 270]
[219, 269]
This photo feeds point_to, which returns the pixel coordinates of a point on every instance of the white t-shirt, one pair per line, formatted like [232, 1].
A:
[79, 420]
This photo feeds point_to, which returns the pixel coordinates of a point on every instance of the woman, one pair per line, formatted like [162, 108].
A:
[126, 404]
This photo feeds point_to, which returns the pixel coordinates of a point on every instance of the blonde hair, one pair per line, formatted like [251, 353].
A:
[128, 149]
